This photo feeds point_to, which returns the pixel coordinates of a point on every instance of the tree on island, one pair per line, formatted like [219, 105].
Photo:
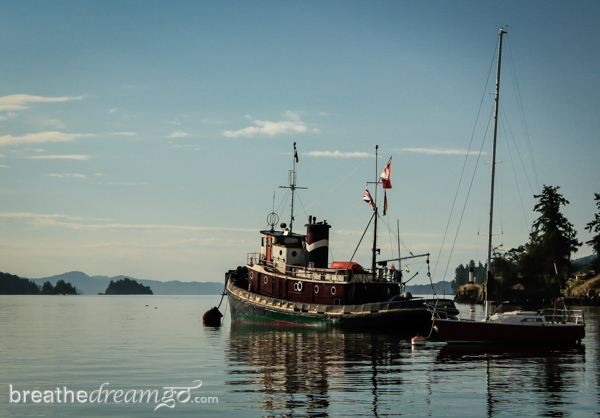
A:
[594, 227]
[545, 261]
[61, 288]
[14, 285]
[127, 287]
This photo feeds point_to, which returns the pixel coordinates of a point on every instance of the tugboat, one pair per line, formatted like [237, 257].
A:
[290, 282]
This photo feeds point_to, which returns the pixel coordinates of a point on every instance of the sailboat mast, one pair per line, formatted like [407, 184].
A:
[496, 107]
[374, 261]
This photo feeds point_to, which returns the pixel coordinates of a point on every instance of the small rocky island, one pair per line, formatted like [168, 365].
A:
[127, 287]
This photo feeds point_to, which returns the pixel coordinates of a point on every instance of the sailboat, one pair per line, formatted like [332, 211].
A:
[545, 326]
[290, 281]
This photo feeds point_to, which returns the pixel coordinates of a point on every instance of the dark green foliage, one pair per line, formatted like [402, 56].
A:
[127, 287]
[594, 227]
[545, 261]
[61, 288]
[547, 256]
[461, 274]
[14, 285]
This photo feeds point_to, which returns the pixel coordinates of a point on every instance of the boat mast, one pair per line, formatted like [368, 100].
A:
[374, 261]
[496, 105]
[292, 186]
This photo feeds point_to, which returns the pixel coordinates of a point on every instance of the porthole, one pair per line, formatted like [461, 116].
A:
[316, 288]
[300, 286]
[333, 290]
[280, 252]
[266, 279]
[296, 286]
[294, 253]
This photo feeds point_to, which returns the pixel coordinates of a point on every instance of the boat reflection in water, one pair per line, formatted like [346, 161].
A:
[306, 371]
[514, 375]
[299, 369]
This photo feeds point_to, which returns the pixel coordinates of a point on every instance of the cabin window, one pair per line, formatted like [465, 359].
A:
[280, 252]
[294, 253]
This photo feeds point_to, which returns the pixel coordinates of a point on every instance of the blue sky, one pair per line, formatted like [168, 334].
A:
[147, 138]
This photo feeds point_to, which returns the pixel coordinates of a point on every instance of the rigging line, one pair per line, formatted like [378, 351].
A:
[512, 164]
[361, 238]
[395, 235]
[522, 113]
[467, 198]
[337, 185]
[282, 203]
[505, 121]
[483, 95]
[301, 204]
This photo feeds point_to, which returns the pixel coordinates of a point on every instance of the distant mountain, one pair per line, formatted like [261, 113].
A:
[97, 284]
[583, 261]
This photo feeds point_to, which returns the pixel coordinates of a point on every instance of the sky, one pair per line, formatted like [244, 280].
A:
[151, 138]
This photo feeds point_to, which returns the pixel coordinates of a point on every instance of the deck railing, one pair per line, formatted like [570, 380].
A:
[566, 316]
[316, 274]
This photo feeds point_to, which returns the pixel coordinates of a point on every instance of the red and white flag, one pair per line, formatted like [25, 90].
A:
[385, 176]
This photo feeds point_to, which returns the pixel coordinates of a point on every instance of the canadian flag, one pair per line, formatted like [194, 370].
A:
[385, 176]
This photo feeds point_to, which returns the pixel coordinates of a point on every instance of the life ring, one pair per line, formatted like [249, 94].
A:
[299, 286]
[316, 288]
[333, 290]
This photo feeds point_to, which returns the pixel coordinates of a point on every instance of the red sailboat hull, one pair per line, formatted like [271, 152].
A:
[464, 331]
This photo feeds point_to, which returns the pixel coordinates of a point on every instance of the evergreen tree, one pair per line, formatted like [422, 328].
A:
[547, 257]
[594, 227]
[47, 288]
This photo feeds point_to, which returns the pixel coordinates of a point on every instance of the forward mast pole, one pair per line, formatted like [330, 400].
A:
[374, 261]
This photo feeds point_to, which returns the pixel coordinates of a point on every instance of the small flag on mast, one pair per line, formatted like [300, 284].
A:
[385, 206]
[367, 198]
[295, 152]
[385, 176]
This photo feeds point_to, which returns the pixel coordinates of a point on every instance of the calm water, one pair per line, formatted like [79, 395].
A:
[59, 344]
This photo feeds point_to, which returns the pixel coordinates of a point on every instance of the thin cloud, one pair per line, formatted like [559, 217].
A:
[178, 134]
[292, 125]
[19, 101]
[267, 128]
[337, 154]
[68, 175]
[54, 136]
[79, 223]
[123, 133]
[59, 157]
[434, 151]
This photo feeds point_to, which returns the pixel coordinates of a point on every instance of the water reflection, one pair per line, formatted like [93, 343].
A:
[299, 369]
[332, 372]
[545, 376]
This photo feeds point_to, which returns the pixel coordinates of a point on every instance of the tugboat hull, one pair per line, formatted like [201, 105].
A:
[408, 316]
